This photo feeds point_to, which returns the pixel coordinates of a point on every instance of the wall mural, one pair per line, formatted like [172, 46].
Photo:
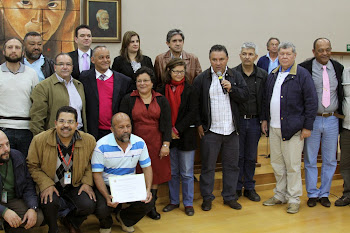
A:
[54, 20]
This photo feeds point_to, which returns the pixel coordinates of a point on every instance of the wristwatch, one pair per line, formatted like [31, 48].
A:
[34, 208]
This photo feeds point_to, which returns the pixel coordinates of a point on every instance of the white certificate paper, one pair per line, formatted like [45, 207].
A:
[128, 188]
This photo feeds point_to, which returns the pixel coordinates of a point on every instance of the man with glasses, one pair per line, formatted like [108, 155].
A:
[250, 112]
[60, 89]
[59, 163]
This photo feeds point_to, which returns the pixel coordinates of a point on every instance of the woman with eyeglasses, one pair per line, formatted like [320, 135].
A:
[182, 100]
[131, 58]
[150, 114]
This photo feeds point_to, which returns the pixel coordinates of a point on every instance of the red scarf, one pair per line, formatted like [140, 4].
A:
[173, 93]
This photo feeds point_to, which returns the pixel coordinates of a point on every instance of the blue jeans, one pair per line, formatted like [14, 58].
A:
[326, 130]
[19, 139]
[182, 163]
[249, 136]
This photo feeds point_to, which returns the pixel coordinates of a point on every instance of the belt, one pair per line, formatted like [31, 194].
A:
[250, 116]
[15, 118]
[331, 114]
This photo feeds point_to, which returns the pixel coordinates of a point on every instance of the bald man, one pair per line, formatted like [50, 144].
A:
[124, 150]
[19, 202]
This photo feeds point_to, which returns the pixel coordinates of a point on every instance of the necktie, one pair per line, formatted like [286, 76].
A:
[85, 62]
[102, 77]
[326, 95]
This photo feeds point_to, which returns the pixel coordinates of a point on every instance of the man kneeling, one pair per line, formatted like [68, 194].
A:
[19, 202]
[59, 162]
[118, 154]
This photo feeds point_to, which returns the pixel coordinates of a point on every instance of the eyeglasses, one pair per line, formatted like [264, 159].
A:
[64, 64]
[143, 81]
[69, 122]
[177, 72]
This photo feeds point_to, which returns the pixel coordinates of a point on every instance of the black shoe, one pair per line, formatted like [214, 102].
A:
[233, 204]
[312, 201]
[325, 202]
[343, 201]
[170, 207]
[189, 210]
[239, 193]
[252, 195]
[153, 214]
[206, 205]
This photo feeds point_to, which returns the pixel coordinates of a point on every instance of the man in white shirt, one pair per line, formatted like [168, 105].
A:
[82, 55]
[220, 90]
[290, 106]
[16, 84]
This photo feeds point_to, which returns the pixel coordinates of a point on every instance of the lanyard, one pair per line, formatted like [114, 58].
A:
[71, 155]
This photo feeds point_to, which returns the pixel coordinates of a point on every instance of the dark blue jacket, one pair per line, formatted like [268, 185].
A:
[264, 63]
[24, 184]
[298, 100]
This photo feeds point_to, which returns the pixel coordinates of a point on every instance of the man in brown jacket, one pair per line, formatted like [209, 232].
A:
[60, 89]
[59, 162]
[175, 41]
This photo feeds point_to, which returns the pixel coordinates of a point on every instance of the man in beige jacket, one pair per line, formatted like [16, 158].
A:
[59, 162]
[60, 89]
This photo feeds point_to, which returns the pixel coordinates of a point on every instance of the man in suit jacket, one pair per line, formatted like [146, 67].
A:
[327, 76]
[82, 56]
[104, 89]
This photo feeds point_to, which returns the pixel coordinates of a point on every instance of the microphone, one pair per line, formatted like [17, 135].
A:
[219, 74]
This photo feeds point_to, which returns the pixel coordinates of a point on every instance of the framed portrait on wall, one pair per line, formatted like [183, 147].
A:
[104, 19]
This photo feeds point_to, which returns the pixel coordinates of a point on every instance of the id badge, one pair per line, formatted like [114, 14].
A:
[67, 178]
[4, 197]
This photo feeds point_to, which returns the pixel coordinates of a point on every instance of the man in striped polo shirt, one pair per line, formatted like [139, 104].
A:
[118, 154]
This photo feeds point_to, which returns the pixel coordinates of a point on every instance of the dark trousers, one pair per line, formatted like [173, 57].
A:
[249, 135]
[19, 139]
[79, 207]
[21, 208]
[211, 144]
[130, 215]
[345, 160]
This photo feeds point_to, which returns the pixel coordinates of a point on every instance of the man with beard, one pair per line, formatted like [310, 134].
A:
[19, 202]
[118, 154]
[33, 57]
[16, 84]
[59, 162]
[103, 29]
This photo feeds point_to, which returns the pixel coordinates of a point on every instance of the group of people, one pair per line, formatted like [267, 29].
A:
[73, 122]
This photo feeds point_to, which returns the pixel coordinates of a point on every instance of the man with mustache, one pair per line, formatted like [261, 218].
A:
[175, 41]
[33, 57]
[60, 89]
[102, 28]
[104, 90]
[19, 202]
[59, 162]
[250, 113]
[118, 154]
[16, 84]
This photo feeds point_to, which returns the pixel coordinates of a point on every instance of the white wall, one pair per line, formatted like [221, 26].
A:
[232, 22]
